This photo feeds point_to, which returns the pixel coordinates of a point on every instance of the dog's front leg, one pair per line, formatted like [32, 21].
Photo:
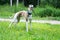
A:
[30, 24]
[30, 20]
[27, 25]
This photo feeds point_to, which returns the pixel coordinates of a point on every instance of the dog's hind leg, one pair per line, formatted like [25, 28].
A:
[16, 21]
[13, 21]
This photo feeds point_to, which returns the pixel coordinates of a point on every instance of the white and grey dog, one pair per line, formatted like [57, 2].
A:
[26, 14]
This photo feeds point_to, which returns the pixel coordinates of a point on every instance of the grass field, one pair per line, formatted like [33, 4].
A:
[39, 32]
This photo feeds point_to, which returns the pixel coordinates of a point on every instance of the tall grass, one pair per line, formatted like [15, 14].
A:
[39, 32]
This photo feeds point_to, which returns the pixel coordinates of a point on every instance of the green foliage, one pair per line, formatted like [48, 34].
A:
[56, 13]
[52, 13]
[7, 11]
[47, 11]
[54, 3]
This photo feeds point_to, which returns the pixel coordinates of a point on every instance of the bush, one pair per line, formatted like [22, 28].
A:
[47, 12]
[57, 13]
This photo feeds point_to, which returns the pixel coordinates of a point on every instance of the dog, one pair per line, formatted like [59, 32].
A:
[26, 14]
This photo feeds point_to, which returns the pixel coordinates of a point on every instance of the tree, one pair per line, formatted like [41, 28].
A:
[28, 2]
[17, 2]
[10, 2]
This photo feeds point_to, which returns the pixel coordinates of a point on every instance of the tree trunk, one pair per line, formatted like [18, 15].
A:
[10, 2]
[17, 2]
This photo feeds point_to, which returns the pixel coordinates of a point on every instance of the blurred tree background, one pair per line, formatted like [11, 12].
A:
[55, 3]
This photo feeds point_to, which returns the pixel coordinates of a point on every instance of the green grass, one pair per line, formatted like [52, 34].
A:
[39, 32]
[46, 18]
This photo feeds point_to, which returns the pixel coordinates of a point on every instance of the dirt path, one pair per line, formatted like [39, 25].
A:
[38, 21]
